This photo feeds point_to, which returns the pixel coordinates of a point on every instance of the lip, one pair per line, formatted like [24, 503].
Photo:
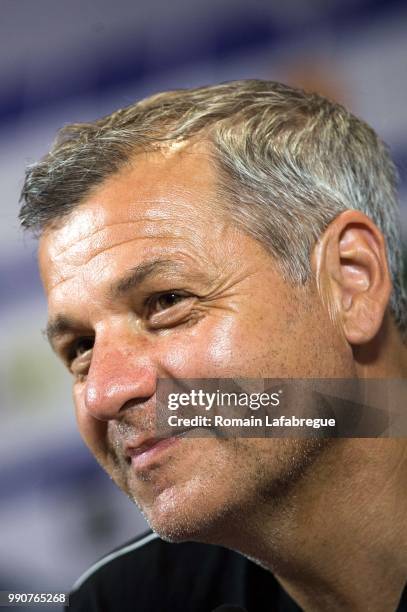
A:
[146, 451]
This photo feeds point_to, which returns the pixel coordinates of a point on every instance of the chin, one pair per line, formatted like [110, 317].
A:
[179, 516]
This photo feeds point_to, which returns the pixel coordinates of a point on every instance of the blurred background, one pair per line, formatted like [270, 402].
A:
[74, 61]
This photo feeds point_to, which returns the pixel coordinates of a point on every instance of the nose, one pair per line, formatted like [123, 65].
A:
[118, 378]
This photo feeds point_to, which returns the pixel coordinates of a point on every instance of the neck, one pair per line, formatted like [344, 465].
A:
[339, 541]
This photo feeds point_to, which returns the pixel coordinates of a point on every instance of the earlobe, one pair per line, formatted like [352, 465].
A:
[352, 275]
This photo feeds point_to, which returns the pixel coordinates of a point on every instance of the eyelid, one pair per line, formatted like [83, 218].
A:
[156, 296]
[173, 315]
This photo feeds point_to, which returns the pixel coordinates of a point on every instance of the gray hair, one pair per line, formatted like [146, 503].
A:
[289, 162]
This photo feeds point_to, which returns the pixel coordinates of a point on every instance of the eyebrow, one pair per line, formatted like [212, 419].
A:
[140, 273]
[61, 325]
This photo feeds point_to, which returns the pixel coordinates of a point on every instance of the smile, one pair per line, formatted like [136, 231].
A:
[145, 454]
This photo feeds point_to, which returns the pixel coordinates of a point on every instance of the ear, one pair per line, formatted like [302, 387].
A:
[350, 265]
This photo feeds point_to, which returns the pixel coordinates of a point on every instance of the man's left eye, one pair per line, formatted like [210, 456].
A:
[163, 301]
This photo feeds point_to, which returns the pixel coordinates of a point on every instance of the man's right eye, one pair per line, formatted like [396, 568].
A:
[79, 348]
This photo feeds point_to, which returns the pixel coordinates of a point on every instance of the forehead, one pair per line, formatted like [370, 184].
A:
[158, 200]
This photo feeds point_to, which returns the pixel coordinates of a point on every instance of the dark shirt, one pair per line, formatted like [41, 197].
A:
[150, 575]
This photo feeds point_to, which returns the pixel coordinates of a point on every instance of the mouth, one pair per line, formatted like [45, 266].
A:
[143, 453]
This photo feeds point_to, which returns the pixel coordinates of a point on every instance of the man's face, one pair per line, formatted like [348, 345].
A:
[147, 279]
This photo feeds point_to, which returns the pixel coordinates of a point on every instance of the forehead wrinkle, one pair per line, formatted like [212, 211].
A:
[193, 240]
[91, 211]
[117, 244]
[89, 235]
[174, 250]
[86, 238]
[102, 251]
[155, 218]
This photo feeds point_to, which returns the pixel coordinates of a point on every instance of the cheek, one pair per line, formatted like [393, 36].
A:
[216, 347]
[223, 342]
[253, 342]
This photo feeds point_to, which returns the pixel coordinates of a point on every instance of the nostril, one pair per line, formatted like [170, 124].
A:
[113, 387]
[134, 402]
